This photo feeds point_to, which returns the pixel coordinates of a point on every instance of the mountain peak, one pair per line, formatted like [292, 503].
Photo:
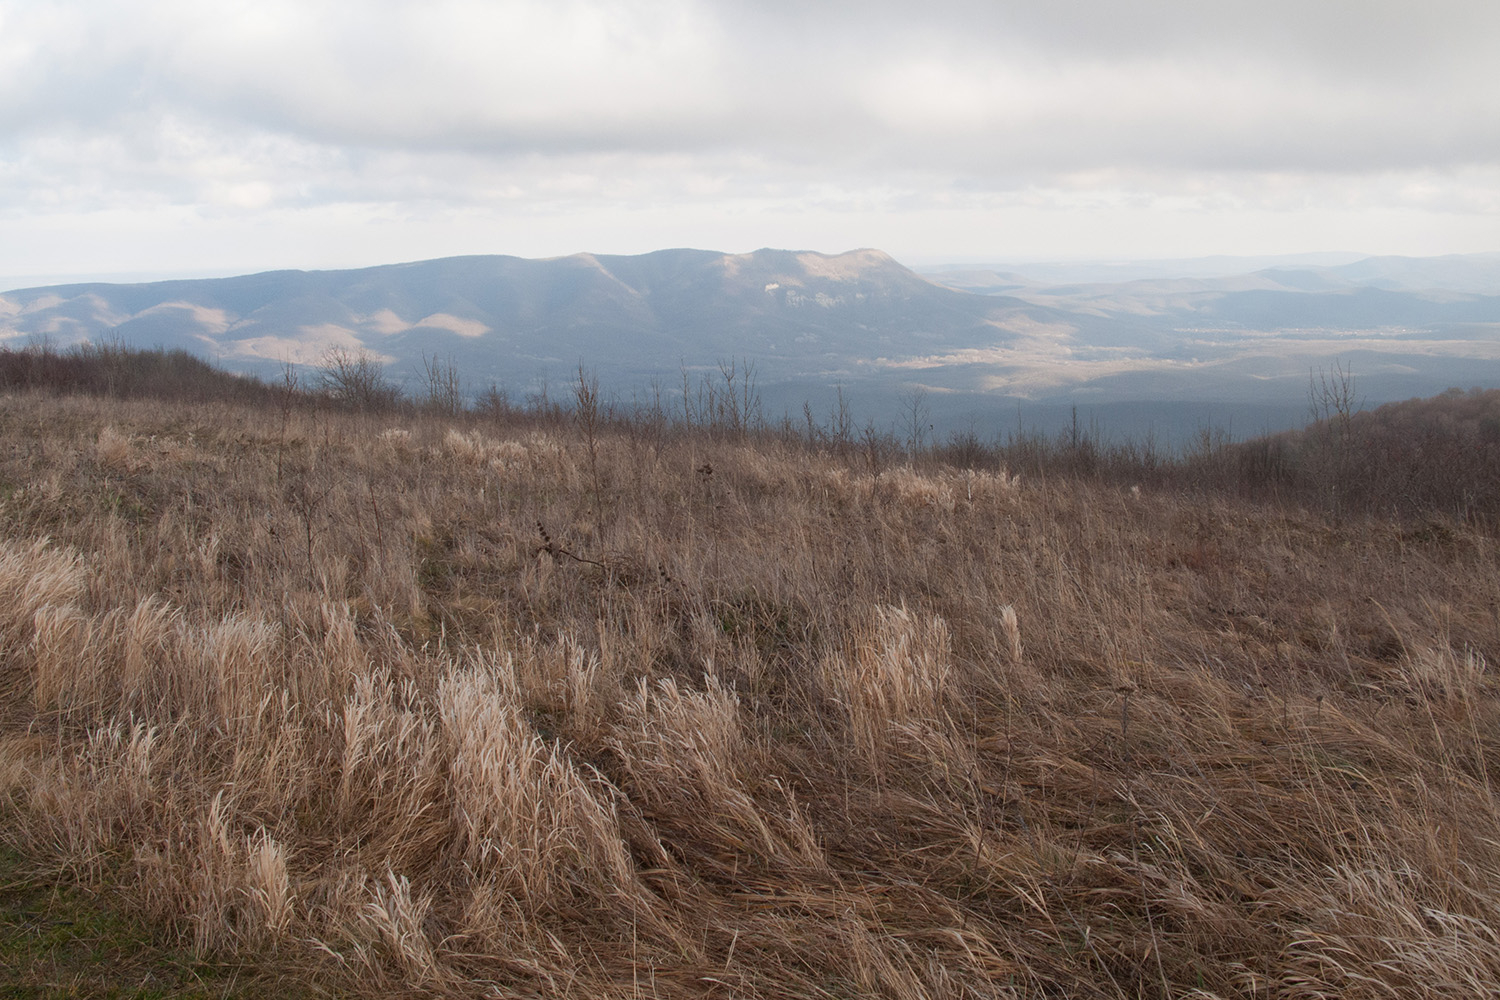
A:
[796, 266]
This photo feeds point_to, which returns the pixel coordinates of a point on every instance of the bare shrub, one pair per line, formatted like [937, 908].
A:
[356, 379]
[442, 386]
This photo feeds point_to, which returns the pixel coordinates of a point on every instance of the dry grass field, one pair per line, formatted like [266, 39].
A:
[398, 704]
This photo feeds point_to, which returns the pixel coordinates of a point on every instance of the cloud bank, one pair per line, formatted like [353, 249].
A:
[542, 123]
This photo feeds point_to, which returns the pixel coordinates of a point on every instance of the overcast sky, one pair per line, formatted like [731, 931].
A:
[156, 137]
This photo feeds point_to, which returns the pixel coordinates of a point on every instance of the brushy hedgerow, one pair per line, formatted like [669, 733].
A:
[444, 707]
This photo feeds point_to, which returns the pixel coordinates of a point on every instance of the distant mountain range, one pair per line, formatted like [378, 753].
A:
[1185, 341]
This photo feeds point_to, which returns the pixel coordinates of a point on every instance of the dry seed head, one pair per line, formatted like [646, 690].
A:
[33, 577]
[1012, 629]
[113, 449]
[524, 815]
[899, 672]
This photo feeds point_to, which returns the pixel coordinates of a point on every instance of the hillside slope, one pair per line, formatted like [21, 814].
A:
[413, 706]
[794, 312]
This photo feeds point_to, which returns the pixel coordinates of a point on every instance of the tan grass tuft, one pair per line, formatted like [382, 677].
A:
[1446, 674]
[396, 917]
[39, 585]
[114, 450]
[1011, 629]
[525, 816]
[472, 448]
[898, 672]
[690, 766]
[68, 669]
[240, 654]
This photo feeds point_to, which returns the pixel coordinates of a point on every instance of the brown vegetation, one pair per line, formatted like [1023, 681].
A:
[398, 702]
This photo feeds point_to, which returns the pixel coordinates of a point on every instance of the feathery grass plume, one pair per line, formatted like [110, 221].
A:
[524, 815]
[898, 671]
[687, 761]
[1012, 630]
[114, 450]
[39, 586]
[508, 456]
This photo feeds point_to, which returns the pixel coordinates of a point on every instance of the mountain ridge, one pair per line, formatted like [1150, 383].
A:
[663, 301]
[814, 324]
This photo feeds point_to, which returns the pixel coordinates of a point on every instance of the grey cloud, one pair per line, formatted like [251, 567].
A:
[1384, 37]
[300, 103]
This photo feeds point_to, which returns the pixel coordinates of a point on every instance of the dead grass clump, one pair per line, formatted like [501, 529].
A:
[109, 791]
[395, 919]
[114, 450]
[242, 660]
[238, 892]
[1447, 675]
[689, 766]
[917, 491]
[392, 771]
[67, 671]
[567, 684]
[897, 673]
[35, 578]
[1371, 930]
[526, 818]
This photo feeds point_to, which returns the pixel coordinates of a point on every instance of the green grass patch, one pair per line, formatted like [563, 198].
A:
[58, 940]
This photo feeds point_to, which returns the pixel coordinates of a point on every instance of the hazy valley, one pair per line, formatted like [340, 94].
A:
[1161, 348]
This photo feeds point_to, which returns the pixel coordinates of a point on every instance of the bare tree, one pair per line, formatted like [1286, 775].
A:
[916, 418]
[737, 405]
[444, 389]
[287, 393]
[841, 422]
[586, 415]
[357, 380]
[1332, 397]
[1332, 403]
